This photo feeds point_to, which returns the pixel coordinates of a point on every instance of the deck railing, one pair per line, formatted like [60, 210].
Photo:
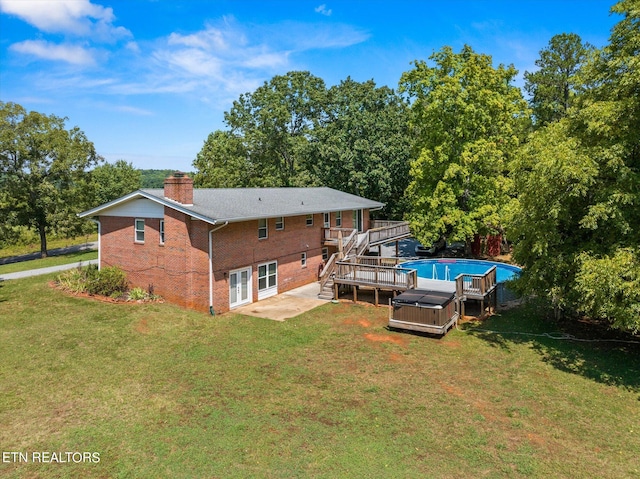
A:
[328, 270]
[475, 285]
[353, 272]
[387, 230]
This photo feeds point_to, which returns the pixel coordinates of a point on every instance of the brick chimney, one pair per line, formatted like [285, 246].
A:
[179, 187]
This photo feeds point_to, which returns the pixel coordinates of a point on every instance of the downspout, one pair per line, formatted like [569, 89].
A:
[99, 241]
[211, 311]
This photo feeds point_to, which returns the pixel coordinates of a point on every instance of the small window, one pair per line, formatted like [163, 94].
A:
[279, 223]
[161, 231]
[327, 220]
[262, 228]
[139, 227]
[338, 219]
[325, 254]
[309, 220]
[303, 260]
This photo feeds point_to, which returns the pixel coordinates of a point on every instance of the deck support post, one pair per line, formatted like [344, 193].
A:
[355, 293]
[336, 290]
[375, 295]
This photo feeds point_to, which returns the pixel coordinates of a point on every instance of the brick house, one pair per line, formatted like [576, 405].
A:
[216, 249]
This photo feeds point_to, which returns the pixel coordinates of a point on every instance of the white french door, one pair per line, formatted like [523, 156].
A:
[239, 287]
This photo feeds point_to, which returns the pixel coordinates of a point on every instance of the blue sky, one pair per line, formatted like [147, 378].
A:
[148, 80]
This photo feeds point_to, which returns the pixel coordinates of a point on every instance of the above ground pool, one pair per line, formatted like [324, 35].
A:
[446, 269]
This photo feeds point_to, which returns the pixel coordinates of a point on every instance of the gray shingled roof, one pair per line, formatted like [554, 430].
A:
[241, 204]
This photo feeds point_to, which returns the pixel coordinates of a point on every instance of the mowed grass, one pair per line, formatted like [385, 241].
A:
[47, 262]
[160, 391]
[52, 243]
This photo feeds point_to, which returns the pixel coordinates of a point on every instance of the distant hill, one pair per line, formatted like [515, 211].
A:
[155, 178]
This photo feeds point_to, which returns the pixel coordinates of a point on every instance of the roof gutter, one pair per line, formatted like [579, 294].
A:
[211, 311]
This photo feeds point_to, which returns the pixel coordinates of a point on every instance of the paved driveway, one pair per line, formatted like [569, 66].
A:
[285, 305]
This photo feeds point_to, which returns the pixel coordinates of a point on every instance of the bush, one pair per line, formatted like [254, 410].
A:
[109, 281]
[138, 294]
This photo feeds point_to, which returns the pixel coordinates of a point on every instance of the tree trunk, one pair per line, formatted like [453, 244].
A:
[43, 241]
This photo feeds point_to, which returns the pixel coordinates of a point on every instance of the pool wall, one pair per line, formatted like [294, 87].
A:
[446, 269]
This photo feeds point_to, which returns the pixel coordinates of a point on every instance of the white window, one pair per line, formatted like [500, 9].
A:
[309, 220]
[338, 219]
[279, 223]
[262, 228]
[327, 220]
[267, 279]
[325, 254]
[161, 231]
[303, 260]
[139, 227]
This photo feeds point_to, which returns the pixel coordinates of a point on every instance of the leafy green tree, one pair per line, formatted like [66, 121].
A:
[577, 217]
[224, 162]
[43, 171]
[111, 181]
[363, 145]
[469, 120]
[274, 123]
[555, 85]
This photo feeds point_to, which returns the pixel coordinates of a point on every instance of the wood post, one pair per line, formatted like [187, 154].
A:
[375, 295]
[355, 293]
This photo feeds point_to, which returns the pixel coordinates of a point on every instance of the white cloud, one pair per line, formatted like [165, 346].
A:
[322, 9]
[73, 54]
[76, 17]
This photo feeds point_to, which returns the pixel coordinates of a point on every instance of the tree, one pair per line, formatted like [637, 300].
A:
[555, 85]
[469, 119]
[111, 181]
[43, 171]
[223, 162]
[274, 123]
[363, 144]
[577, 218]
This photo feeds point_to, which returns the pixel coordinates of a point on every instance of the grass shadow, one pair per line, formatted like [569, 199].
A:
[587, 349]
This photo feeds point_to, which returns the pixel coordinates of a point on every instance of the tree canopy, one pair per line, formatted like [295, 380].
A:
[113, 180]
[43, 171]
[468, 119]
[577, 218]
[293, 131]
[554, 86]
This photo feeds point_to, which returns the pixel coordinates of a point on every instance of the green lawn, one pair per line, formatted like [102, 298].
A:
[46, 262]
[52, 243]
[159, 391]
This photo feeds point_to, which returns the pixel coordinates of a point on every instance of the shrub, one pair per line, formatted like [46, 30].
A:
[109, 281]
[138, 294]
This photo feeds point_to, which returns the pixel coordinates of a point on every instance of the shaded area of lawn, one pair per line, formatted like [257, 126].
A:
[163, 392]
[589, 350]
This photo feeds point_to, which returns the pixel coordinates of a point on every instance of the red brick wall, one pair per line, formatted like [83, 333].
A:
[178, 269]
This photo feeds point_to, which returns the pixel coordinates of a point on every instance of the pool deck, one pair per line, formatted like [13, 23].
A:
[437, 285]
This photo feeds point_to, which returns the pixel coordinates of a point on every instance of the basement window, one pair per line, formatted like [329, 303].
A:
[139, 231]
[325, 254]
[303, 260]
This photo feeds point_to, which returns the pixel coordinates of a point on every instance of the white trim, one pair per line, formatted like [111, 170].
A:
[269, 290]
[281, 218]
